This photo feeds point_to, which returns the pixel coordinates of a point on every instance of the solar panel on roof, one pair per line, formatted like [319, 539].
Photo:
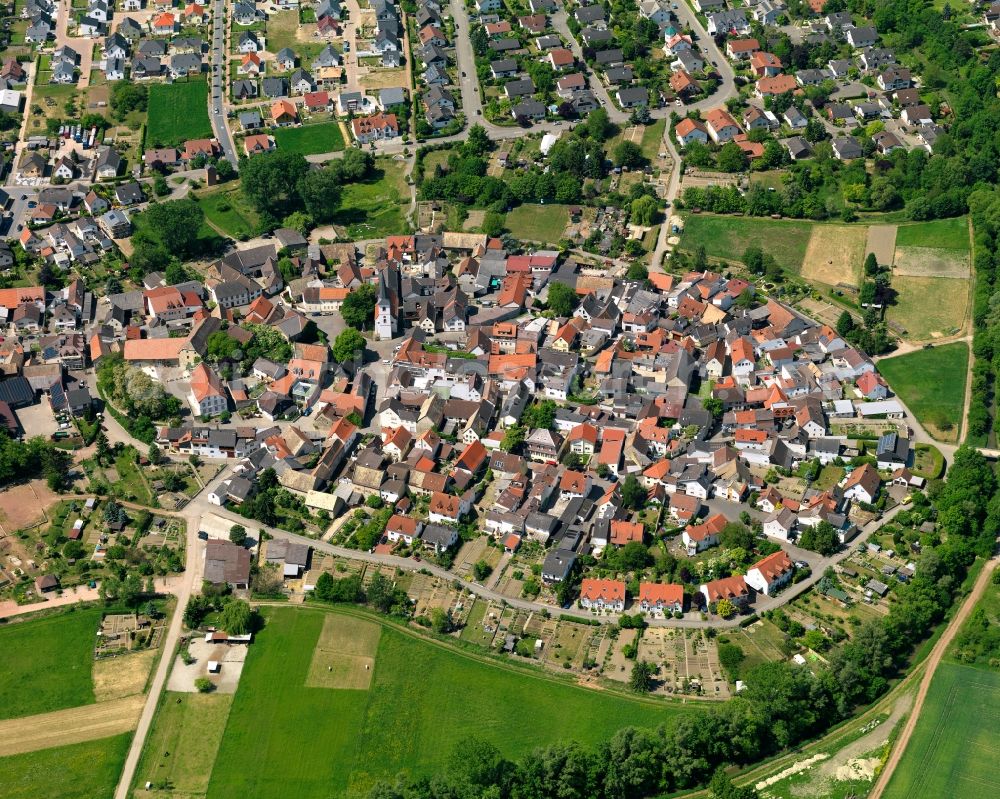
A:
[57, 397]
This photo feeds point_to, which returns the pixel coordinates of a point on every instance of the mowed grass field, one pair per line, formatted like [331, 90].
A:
[835, 255]
[183, 743]
[323, 137]
[929, 307]
[728, 237]
[953, 750]
[177, 112]
[542, 223]
[949, 234]
[932, 384]
[47, 664]
[81, 771]
[284, 739]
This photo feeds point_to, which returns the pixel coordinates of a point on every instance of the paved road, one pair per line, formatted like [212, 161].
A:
[219, 64]
[183, 589]
[726, 90]
[594, 82]
[930, 666]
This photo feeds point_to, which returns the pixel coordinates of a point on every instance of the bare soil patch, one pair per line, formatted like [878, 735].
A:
[384, 79]
[834, 255]
[882, 242]
[74, 725]
[344, 656]
[25, 505]
[931, 262]
[118, 677]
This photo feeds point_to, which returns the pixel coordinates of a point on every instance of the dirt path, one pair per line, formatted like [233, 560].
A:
[69, 597]
[74, 725]
[930, 666]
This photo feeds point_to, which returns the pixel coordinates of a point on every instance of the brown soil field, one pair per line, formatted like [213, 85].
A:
[930, 262]
[74, 725]
[882, 242]
[24, 505]
[835, 254]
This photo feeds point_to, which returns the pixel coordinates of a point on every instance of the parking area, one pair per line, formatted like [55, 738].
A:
[228, 658]
[40, 420]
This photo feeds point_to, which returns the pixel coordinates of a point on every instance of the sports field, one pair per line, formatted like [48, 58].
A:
[285, 739]
[323, 137]
[932, 384]
[953, 750]
[81, 771]
[177, 112]
[47, 664]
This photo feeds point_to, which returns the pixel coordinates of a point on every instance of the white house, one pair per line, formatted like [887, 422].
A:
[769, 574]
[602, 595]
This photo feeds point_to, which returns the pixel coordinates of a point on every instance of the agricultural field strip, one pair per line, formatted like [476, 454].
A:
[73, 725]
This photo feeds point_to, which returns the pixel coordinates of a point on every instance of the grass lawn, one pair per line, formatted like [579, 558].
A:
[80, 771]
[928, 461]
[652, 140]
[932, 384]
[542, 223]
[376, 207]
[178, 112]
[953, 750]
[130, 484]
[183, 742]
[772, 179]
[324, 137]
[283, 739]
[47, 663]
[229, 211]
[728, 236]
[924, 318]
[829, 476]
[951, 234]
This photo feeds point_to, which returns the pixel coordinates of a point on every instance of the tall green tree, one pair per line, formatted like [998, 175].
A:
[358, 308]
[347, 345]
[271, 181]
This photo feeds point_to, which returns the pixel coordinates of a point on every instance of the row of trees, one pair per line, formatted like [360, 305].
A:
[985, 207]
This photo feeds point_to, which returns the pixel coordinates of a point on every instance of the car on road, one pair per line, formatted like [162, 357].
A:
[678, 102]
[203, 535]
[463, 74]
[386, 361]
